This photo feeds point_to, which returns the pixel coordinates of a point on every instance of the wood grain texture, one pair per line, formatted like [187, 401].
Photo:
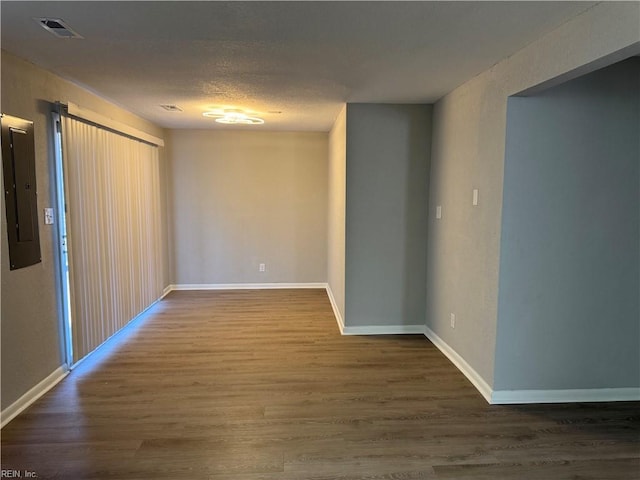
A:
[259, 385]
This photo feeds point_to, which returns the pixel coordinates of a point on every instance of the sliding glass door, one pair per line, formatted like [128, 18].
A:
[112, 237]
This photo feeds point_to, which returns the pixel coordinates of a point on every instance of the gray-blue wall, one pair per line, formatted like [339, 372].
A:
[568, 302]
[388, 151]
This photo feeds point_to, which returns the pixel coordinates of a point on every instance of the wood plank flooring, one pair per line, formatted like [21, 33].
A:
[259, 385]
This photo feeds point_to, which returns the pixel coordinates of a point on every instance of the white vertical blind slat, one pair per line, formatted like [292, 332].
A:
[114, 234]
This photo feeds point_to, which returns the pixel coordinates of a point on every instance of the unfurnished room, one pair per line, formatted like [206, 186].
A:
[330, 240]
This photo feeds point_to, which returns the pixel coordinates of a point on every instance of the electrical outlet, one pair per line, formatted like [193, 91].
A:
[453, 321]
[262, 267]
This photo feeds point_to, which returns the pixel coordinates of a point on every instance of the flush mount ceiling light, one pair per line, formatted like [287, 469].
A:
[57, 27]
[233, 117]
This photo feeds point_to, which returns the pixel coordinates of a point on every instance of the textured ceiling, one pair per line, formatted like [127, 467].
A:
[303, 59]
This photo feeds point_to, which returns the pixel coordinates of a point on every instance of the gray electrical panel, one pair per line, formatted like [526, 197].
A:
[20, 193]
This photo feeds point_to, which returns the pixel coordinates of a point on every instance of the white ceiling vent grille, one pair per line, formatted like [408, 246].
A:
[57, 27]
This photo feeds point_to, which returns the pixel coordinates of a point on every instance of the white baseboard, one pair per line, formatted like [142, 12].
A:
[244, 286]
[507, 397]
[370, 329]
[167, 290]
[466, 369]
[336, 310]
[383, 330]
[17, 407]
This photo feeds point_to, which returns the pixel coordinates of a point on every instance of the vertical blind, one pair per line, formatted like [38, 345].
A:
[114, 230]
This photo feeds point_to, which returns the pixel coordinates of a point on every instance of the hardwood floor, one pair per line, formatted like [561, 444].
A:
[259, 385]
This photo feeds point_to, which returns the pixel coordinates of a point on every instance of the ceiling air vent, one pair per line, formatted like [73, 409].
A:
[171, 108]
[57, 27]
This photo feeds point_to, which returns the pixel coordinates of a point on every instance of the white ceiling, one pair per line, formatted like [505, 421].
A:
[303, 59]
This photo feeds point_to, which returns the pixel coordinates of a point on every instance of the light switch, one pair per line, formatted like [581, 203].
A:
[475, 196]
[48, 216]
[438, 212]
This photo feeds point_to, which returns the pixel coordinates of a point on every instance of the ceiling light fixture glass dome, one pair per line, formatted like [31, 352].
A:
[233, 117]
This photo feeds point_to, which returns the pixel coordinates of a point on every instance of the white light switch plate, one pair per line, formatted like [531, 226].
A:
[48, 216]
[475, 196]
[438, 212]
